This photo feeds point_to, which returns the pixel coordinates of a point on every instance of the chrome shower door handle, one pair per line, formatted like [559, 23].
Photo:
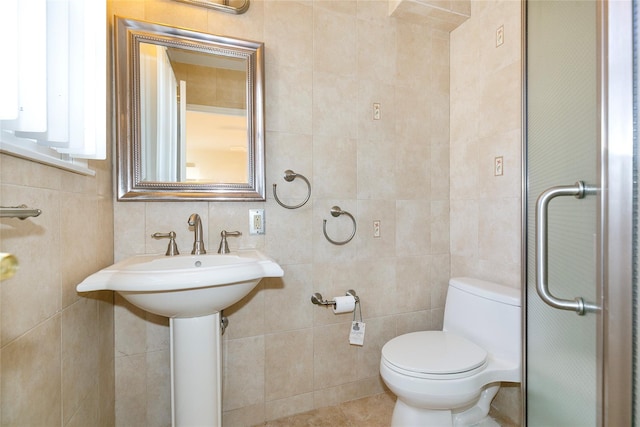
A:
[579, 190]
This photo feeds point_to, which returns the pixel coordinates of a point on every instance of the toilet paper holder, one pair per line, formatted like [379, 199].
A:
[318, 300]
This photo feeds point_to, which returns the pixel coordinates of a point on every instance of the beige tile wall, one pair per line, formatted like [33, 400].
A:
[56, 347]
[327, 62]
[486, 123]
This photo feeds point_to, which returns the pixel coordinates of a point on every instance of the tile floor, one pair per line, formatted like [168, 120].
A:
[373, 411]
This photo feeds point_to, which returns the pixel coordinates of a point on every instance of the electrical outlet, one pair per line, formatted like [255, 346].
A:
[498, 166]
[376, 111]
[376, 228]
[256, 221]
[500, 36]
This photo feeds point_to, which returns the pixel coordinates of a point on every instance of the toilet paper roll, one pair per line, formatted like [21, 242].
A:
[344, 304]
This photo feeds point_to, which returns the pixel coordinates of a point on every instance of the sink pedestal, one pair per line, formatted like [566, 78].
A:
[196, 371]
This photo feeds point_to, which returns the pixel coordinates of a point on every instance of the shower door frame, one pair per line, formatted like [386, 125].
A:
[615, 335]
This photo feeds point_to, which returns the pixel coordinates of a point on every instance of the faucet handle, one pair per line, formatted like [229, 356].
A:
[172, 249]
[224, 246]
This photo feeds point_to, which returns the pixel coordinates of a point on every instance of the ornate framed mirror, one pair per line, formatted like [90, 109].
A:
[190, 114]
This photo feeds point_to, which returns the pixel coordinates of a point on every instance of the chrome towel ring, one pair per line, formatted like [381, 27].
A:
[289, 176]
[336, 212]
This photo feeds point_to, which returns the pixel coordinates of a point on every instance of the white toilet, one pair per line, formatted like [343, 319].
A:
[449, 377]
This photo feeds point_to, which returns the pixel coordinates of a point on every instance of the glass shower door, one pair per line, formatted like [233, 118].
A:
[562, 148]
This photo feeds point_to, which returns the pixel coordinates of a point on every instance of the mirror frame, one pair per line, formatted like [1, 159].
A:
[129, 34]
[211, 4]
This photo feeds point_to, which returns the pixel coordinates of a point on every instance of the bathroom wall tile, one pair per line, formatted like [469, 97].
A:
[158, 388]
[413, 54]
[289, 364]
[413, 110]
[413, 170]
[464, 227]
[251, 26]
[413, 285]
[376, 286]
[508, 146]
[337, 52]
[334, 109]
[440, 170]
[29, 174]
[335, 161]
[370, 247]
[280, 408]
[345, 392]
[182, 15]
[441, 271]
[413, 322]
[334, 361]
[33, 294]
[288, 103]
[348, 7]
[379, 330]
[31, 373]
[80, 347]
[288, 33]
[464, 170]
[130, 328]
[497, 91]
[157, 332]
[496, 220]
[244, 372]
[286, 299]
[376, 40]
[440, 234]
[129, 228]
[377, 169]
[131, 384]
[248, 416]
[412, 237]
[246, 317]
[294, 224]
[88, 413]
[79, 212]
[373, 10]
[370, 91]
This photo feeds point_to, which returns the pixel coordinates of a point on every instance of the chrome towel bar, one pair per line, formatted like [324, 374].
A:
[21, 212]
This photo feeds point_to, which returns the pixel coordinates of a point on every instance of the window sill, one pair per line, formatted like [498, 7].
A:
[48, 157]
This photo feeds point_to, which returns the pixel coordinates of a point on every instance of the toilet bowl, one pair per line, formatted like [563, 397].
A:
[449, 377]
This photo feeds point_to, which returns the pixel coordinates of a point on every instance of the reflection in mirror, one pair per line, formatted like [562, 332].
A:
[191, 114]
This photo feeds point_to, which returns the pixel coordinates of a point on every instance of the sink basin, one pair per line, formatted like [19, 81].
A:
[184, 285]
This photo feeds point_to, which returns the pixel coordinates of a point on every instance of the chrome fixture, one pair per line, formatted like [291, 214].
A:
[289, 176]
[336, 212]
[198, 245]
[579, 190]
[224, 246]
[21, 212]
[172, 249]
[318, 300]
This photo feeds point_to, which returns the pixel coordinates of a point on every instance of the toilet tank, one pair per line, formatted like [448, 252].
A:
[486, 313]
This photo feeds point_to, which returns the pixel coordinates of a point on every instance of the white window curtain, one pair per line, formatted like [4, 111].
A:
[53, 77]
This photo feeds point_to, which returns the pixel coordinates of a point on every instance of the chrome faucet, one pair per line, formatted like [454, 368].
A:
[198, 245]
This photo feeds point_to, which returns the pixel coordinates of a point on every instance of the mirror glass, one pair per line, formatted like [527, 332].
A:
[190, 114]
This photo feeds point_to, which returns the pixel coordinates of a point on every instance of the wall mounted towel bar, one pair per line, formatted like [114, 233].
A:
[21, 212]
[289, 176]
[336, 212]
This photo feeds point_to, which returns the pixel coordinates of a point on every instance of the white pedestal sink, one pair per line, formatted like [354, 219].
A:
[191, 290]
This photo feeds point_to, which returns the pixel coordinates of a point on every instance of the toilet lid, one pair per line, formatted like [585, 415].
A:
[434, 353]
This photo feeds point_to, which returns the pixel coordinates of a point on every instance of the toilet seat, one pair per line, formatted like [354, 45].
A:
[434, 355]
